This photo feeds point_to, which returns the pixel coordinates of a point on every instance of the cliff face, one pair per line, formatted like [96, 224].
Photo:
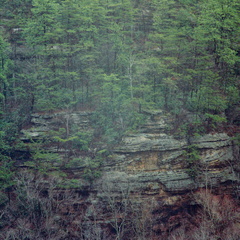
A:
[146, 186]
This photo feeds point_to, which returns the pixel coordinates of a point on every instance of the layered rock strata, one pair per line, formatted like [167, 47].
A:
[150, 166]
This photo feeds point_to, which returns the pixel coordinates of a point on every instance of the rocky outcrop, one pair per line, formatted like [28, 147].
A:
[43, 123]
[153, 156]
[150, 165]
[159, 158]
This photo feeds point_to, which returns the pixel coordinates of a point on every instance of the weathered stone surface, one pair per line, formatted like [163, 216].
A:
[43, 123]
[212, 140]
[148, 166]
[158, 158]
[217, 156]
[33, 133]
[151, 156]
[177, 180]
[150, 142]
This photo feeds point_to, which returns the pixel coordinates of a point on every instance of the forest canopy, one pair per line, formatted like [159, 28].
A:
[117, 58]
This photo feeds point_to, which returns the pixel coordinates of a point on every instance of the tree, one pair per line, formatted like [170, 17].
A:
[4, 68]
[172, 44]
[118, 204]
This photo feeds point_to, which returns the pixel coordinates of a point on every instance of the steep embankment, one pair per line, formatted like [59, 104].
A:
[147, 188]
[150, 168]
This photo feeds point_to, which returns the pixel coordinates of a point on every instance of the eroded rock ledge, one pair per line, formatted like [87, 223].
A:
[151, 164]
[153, 158]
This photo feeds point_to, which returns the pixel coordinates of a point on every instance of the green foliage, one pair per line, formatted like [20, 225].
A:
[70, 184]
[84, 53]
[233, 95]
[215, 120]
[77, 140]
[192, 159]
[90, 166]
[236, 139]
[42, 160]
[208, 100]
[6, 163]
[5, 70]
[190, 129]
[58, 134]
[6, 173]
[113, 119]
[91, 170]
[3, 201]
[115, 114]
[75, 163]
[82, 140]
[71, 43]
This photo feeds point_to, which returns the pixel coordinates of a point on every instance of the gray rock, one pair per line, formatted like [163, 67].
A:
[150, 142]
[151, 160]
[219, 155]
[212, 140]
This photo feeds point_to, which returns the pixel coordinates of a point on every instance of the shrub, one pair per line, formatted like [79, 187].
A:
[192, 158]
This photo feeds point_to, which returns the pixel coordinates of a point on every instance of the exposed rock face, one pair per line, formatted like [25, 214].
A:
[43, 123]
[159, 158]
[150, 166]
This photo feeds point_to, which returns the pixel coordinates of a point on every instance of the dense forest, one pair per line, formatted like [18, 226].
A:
[117, 58]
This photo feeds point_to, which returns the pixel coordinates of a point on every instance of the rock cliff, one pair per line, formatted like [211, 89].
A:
[150, 176]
